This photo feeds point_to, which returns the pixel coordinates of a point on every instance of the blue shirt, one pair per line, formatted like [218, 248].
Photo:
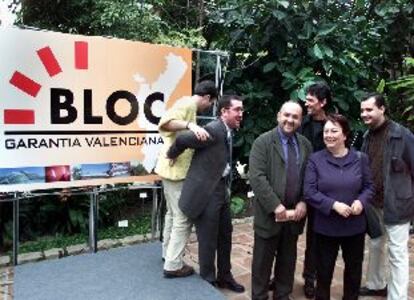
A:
[284, 141]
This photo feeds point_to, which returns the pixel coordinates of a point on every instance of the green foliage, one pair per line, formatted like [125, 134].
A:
[401, 96]
[187, 37]
[237, 205]
[125, 18]
[280, 47]
[140, 225]
[69, 215]
[51, 215]
[129, 19]
[259, 114]
[58, 241]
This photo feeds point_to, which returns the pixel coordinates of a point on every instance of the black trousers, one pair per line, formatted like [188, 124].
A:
[327, 248]
[309, 266]
[283, 247]
[214, 233]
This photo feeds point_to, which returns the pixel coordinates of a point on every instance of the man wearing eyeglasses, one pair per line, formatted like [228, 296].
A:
[205, 196]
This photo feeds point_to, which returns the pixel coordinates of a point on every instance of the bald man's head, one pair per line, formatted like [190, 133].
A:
[289, 117]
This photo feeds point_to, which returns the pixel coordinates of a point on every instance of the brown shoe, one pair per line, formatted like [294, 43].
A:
[185, 271]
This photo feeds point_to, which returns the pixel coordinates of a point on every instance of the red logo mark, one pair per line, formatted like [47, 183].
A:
[19, 116]
[32, 88]
[25, 84]
[81, 55]
[49, 61]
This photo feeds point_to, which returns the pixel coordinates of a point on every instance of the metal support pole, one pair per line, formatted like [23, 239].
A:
[161, 210]
[93, 240]
[154, 215]
[15, 229]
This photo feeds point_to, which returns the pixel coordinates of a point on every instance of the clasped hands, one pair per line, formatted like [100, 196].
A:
[282, 214]
[345, 210]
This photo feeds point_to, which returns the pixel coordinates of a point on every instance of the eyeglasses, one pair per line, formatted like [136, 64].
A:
[236, 109]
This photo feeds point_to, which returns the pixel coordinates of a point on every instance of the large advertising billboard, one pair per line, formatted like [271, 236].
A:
[78, 110]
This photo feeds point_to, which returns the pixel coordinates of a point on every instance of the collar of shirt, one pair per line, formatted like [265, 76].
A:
[284, 140]
[228, 130]
[227, 169]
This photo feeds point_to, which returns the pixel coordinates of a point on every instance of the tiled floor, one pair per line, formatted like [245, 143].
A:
[242, 258]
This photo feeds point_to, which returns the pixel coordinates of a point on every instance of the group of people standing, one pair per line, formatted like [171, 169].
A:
[305, 166]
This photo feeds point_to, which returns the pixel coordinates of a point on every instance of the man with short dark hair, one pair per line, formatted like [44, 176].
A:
[318, 98]
[276, 170]
[205, 196]
[177, 227]
[390, 147]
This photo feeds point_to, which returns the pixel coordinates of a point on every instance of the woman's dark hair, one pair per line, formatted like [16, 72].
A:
[343, 122]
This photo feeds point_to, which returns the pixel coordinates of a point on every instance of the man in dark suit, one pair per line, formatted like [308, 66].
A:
[276, 168]
[205, 194]
[318, 99]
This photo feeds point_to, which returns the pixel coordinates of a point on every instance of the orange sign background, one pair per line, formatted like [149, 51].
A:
[112, 65]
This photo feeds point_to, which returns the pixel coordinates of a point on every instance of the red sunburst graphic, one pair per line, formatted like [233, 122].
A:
[32, 88]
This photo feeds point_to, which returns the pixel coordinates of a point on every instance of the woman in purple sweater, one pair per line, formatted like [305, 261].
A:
[338, 185]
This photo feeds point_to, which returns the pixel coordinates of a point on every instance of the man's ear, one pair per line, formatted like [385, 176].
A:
[323, 102]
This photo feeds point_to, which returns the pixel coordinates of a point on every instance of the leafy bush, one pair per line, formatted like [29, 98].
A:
[237, 205]
[401, 96]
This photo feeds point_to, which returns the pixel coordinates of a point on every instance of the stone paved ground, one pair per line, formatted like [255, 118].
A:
[6, 283]
[241, 261]
[242, 258]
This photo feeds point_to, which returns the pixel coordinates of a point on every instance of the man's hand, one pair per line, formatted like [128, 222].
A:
[300, 211]
[171, 161]
[199, 132]
[280, 212]
[357, 207]
[342, 209]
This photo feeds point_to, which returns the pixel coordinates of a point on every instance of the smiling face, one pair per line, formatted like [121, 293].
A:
[289, 117]
[333, 136]
[372, 115]
[233, 115]
[314, 106]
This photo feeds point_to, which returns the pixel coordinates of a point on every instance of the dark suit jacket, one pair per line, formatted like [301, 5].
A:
[267, 174]
[206, 169]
